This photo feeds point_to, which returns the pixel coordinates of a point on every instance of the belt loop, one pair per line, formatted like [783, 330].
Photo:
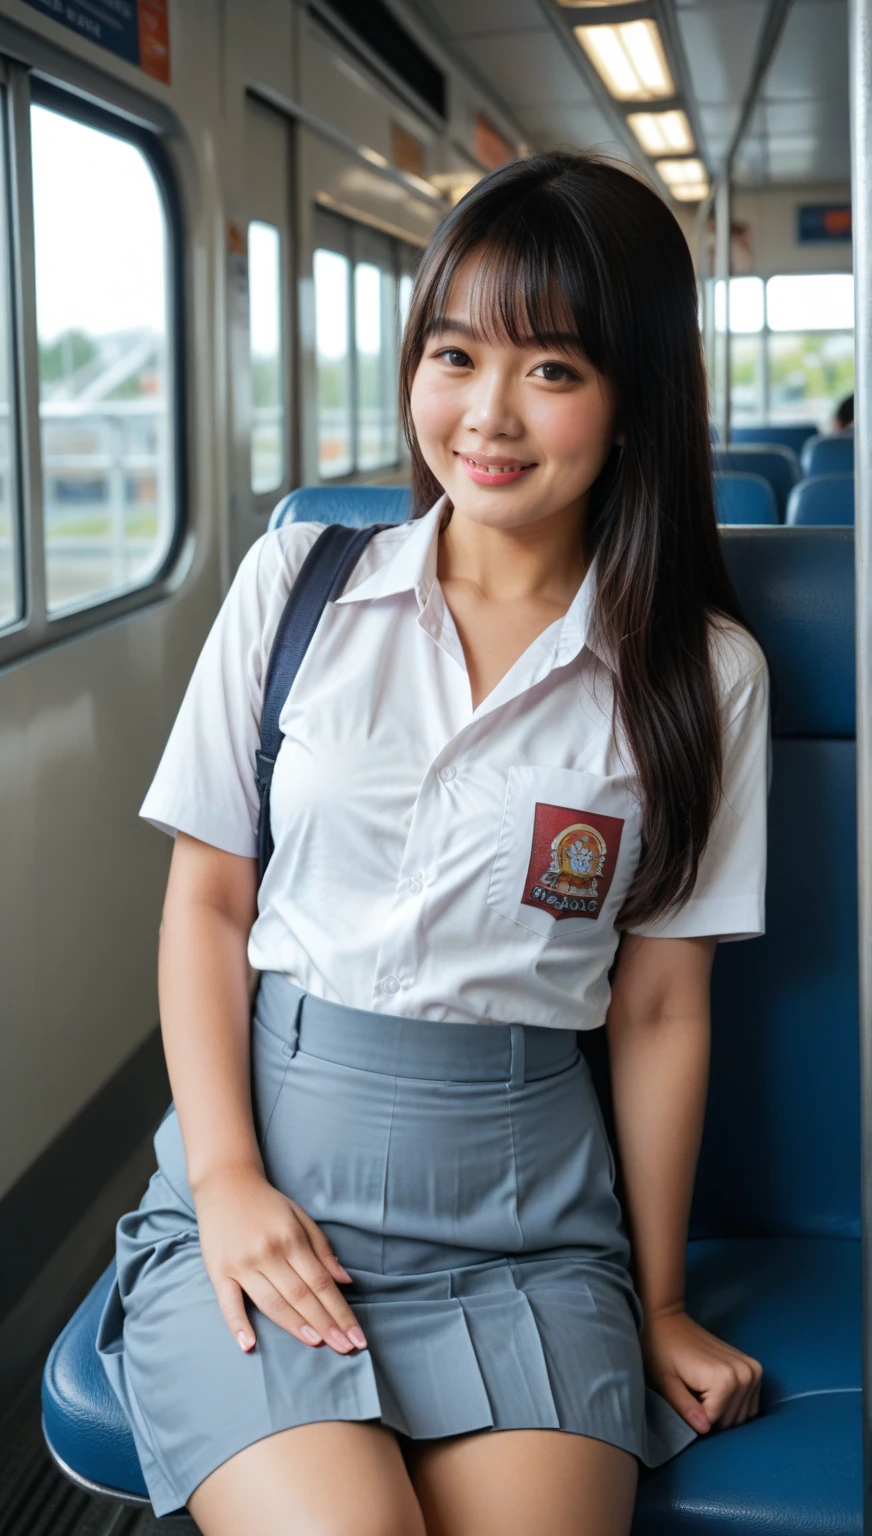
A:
[293, 1041]
[517, 1077]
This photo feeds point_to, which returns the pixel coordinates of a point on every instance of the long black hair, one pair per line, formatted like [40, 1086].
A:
[575, 236]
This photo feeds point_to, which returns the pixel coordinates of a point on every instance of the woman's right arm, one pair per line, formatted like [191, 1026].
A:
[253, 1238]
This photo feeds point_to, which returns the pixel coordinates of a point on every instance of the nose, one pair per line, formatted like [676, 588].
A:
[491, 409]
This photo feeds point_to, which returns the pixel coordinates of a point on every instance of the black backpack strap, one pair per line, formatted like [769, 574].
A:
[321, 578]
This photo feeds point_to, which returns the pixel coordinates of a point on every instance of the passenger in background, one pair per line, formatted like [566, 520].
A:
[844, 414]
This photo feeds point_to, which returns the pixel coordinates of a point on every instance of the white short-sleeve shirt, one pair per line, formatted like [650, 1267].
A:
[432, 859]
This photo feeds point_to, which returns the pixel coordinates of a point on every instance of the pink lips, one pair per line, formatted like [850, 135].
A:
[483, 476]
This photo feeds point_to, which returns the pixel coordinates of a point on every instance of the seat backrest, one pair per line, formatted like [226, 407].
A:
[781, 1143]
[830, 453]
[786, 435]
[779, 466]
[822, 501]
[744, 499]
[354, 505]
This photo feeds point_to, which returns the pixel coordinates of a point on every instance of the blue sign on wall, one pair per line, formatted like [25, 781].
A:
[135, 30]
[823, 223]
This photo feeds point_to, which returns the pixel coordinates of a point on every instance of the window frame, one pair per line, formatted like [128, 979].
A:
[765, 334]
[35, 630]
[333, 231]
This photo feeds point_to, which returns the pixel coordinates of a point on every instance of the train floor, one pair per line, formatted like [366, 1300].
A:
[37, 1500]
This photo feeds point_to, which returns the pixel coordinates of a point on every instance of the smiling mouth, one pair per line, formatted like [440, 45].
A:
[506, 467]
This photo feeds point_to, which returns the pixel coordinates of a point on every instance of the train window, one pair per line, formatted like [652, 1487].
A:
[333, 343]
[791, 345]
[363, 283]
[100, 239]
[376, 342]
[267, 403]
[11, 597]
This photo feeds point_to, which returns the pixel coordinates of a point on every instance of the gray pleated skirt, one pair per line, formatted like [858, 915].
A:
[463, 1175]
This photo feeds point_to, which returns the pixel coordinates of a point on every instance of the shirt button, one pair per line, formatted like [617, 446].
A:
[447, 774]
[415, 886]
[390, 984]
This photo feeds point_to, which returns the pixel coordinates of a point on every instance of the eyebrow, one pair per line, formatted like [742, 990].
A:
[445, 323]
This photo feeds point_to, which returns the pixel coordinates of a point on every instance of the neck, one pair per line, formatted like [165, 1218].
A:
[544, 559]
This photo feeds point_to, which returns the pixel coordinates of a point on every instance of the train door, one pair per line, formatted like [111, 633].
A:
[262, 327]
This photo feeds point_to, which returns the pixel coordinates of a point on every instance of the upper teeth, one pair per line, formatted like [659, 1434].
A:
[497, 469]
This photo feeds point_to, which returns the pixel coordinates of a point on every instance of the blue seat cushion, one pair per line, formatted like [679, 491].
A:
[830, 453]
[83, 1420]
[786, 435]
[823, 501]
[779, 466]
[744, 499]
[794, 1304]
[353, 505]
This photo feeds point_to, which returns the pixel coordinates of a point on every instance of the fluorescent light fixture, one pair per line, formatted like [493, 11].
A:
[681, 173]
[660, 132]
[691, 191]
[594, 5]
[629, 58]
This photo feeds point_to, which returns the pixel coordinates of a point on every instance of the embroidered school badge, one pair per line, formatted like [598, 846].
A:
[572, 861]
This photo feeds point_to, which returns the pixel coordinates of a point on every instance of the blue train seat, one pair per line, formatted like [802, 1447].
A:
[785, 435]
[773, 1260]
[744, 499]
[822, 501]
[779, 466]
[829, 453]
[353, 505]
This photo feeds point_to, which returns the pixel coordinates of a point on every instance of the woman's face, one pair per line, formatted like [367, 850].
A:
[514, 435]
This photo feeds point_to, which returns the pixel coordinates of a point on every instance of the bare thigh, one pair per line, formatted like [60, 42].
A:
[512, 1482]
[328, 1479]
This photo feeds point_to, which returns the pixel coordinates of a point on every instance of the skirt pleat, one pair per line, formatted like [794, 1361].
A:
[480, 1225]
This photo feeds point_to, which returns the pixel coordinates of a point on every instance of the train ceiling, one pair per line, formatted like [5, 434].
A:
[798, 131]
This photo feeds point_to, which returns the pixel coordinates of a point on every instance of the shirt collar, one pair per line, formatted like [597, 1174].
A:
[408, 564]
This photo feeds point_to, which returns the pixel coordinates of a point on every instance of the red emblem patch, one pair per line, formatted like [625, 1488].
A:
[572, 861]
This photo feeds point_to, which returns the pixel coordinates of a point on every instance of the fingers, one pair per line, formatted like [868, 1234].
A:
[735, 1396]
[308, 1287]
[319, 1244]
[232, 1304]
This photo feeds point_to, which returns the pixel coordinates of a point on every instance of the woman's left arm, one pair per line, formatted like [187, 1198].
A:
[658, 1032]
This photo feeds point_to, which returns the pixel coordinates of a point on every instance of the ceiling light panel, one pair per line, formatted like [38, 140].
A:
[662, 132]
[690, 191]
[678, 173]
[630, 59]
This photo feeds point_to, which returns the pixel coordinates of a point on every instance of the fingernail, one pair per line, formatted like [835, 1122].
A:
[338, 1339]
[357, 1336]
[701, 1423]
[310, 1334]
[339, 1265]
[244, 1340]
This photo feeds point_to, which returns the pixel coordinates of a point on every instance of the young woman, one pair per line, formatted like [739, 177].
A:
[532, 726]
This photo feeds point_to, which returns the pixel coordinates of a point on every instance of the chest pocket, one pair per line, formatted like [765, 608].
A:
[568, 849]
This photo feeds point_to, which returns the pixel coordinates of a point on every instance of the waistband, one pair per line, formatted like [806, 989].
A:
[402, 1047]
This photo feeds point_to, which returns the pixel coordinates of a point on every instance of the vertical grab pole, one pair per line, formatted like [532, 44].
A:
[723, 217]
[860, 32]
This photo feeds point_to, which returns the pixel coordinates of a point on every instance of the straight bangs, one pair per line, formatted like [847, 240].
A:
[529, 290]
